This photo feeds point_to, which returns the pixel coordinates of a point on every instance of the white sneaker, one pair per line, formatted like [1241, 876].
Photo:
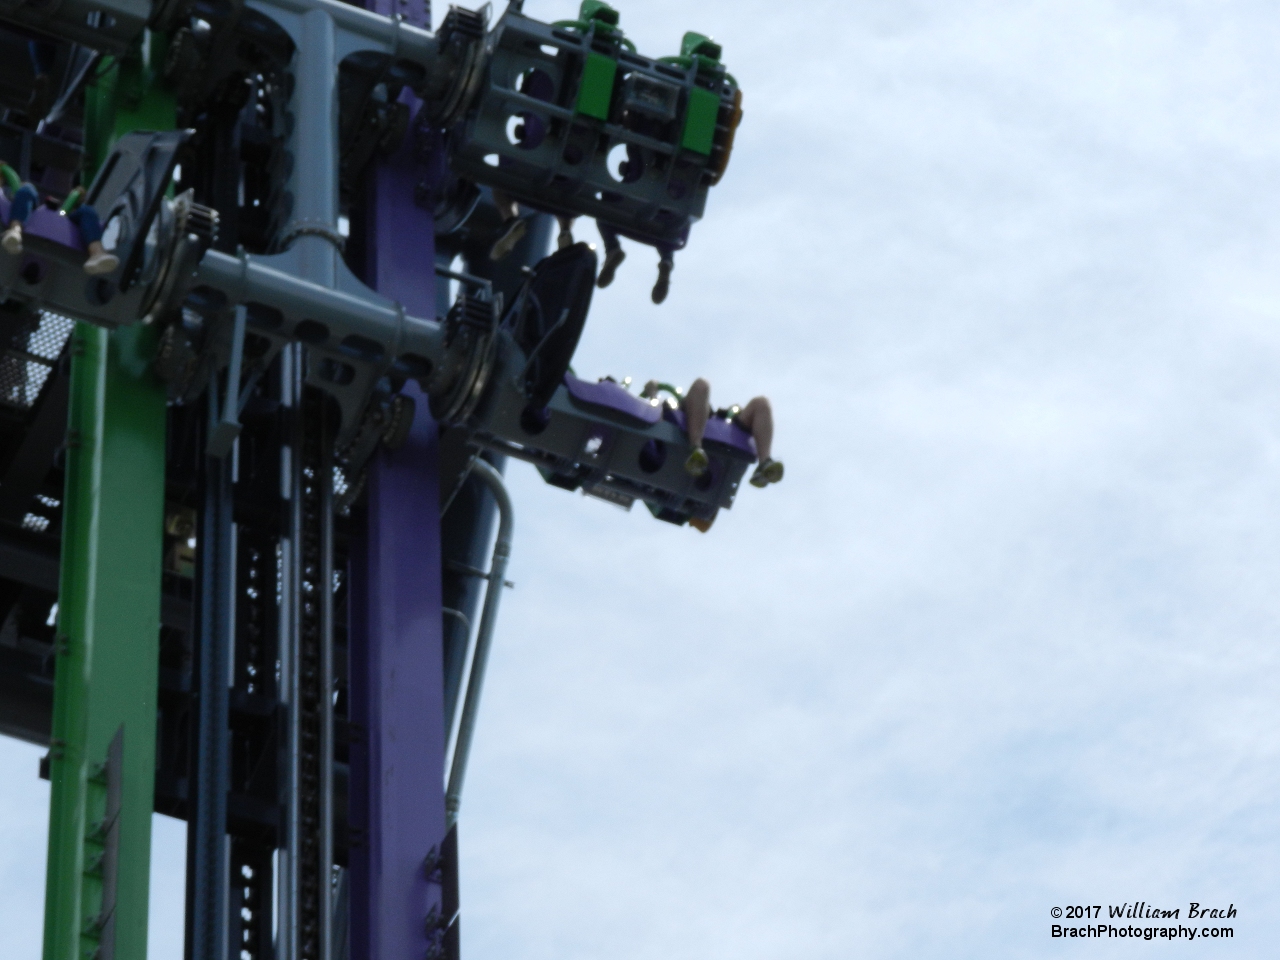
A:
[697, 463]
[12, 239]
[768, 471]
[101, 264]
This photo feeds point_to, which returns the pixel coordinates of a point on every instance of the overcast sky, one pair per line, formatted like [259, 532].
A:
[1004, 639]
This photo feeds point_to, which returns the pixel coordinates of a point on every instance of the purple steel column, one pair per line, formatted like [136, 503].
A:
[397, 684]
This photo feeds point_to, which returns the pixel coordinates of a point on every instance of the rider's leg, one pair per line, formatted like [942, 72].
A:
[566, 232]
[87, 222]
[24, 201]
[757, 419]
[516, 225]
[613, 254]
[697, 409]
[666, 264]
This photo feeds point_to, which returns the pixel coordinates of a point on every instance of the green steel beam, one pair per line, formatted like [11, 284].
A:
[102, 761]
[109, 629]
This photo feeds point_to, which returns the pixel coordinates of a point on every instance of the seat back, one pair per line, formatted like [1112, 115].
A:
[547, 317]
[129, 188]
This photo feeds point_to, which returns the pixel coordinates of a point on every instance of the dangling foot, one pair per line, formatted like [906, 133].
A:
[507, 242]
[565, 239]
[100, 264]
[612, 260]
[12, 239]
[664, 280]
[697, 463]
[767, 472]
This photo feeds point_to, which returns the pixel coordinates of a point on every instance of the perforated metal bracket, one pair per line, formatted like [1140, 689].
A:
[576, 124]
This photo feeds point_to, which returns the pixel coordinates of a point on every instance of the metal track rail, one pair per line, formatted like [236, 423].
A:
[308, 589]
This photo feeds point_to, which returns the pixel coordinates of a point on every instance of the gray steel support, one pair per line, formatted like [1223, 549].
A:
[254, 279]
[223, 433]
[484, 635]
[251, 279]
[312, 238]
[314, 179]
[360, 29]
[348, 329]
[210, 850]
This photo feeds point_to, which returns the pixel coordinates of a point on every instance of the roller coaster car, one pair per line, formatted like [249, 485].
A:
[571, 120]
[594, 436]
[156, 239]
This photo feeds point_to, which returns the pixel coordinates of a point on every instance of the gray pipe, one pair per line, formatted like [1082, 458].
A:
[484, 636]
